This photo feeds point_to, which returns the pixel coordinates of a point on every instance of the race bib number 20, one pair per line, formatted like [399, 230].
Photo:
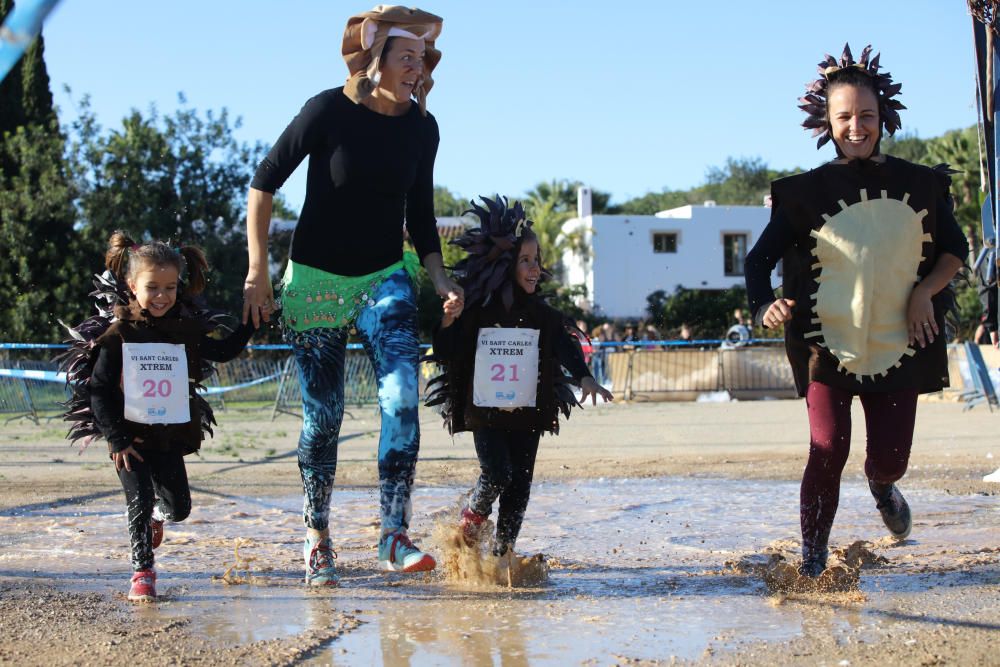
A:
[155, 383]
[506, 373]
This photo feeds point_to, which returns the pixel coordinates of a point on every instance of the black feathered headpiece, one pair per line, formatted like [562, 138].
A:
[814, 102]
[486, 271]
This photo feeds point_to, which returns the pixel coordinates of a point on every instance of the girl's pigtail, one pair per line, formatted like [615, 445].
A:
[116, 259]
[197, 269]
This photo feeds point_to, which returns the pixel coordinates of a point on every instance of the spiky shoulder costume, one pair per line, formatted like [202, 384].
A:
[494, 300]
[855, 237]
[93, 366]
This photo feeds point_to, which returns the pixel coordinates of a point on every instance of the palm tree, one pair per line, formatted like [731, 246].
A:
[960, 150]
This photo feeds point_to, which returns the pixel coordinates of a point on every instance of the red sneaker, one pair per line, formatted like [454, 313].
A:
[157, 527]
[472, 526]
[143, 586]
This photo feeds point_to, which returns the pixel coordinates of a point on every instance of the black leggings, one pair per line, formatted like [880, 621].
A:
[160, 476]
[507, 463]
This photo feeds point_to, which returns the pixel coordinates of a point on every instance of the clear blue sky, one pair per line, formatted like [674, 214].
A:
[628, 97]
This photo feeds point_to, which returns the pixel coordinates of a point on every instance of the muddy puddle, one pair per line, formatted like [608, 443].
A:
[636, 569]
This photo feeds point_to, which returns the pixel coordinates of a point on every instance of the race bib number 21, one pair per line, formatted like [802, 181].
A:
[506, 373]
[155, 383]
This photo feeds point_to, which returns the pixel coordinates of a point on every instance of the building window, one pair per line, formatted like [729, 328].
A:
[664, 242]
[734, 249]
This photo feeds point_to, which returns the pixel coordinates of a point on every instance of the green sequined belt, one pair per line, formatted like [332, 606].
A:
[312, 298]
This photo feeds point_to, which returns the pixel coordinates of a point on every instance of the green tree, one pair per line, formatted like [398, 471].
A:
[549, 205]
[653, 202]
[708, 313]
[37, 239]
[960, 150]
[446, 204]
[39, 254]
[739, 182]
[181, 178]
[907, 146]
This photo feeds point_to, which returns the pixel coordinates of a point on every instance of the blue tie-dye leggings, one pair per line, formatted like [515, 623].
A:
[388, 330]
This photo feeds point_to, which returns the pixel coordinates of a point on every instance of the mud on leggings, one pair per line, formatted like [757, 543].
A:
[889, 419]
[507, 464]
[161, 479]
[388, 331]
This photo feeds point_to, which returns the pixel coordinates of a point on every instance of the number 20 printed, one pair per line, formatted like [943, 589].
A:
[152, 389]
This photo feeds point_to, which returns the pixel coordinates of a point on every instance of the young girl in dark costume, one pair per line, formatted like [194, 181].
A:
[869, 244]
[147, 346]
[506, 334]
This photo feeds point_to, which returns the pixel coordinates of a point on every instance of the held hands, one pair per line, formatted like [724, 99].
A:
[778, 313]
[121, 458]
[258, 299]
[589, 387]
[920, 322]
[454, 299]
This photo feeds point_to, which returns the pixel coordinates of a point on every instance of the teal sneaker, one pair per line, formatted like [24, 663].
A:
[319, 559]
[397, 553]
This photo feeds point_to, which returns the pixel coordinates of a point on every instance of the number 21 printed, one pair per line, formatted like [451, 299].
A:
[499, 373]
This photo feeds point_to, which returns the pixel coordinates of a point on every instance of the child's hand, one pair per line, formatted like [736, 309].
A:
[590, 388]
[452, 308]
[121, 458]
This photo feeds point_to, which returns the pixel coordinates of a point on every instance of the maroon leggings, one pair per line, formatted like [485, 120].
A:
[889, 419]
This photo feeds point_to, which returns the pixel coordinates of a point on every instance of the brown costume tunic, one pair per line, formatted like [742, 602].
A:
[855, 238]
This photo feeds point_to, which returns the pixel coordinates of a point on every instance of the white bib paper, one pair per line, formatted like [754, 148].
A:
[155, 383]
[506, 371]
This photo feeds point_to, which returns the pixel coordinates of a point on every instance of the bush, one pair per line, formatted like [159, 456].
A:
[708, 313]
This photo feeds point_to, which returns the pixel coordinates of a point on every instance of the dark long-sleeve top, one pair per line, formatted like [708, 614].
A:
[566, 348]
[367, 173]
[107, 401]
[559, 352]
[840, 320]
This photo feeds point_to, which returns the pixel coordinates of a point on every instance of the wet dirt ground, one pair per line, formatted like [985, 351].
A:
[655, 522]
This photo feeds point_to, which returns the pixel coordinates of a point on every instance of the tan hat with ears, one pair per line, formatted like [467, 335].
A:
[365, 37]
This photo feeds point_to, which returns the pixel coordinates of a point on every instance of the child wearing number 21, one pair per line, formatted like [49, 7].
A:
[145, 355]
[505, 360]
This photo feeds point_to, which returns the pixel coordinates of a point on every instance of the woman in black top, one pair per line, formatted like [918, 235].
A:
[371, 155]
[869, 244]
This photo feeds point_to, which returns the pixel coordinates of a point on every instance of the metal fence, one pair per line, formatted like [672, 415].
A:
[676, 370]
[266, 375]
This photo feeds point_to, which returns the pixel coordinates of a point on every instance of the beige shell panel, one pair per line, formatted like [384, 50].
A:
[868, 254]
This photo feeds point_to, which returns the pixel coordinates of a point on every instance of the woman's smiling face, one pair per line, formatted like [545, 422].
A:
[854, 120]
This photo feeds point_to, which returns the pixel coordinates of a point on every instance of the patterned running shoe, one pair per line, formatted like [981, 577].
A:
[319, 557]
[471, 526]
[893, 507]
[397, 553]
[143, 586]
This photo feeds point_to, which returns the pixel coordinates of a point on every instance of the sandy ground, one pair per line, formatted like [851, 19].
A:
[945, 614]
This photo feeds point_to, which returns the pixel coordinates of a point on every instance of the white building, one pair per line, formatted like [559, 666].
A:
[631, 256]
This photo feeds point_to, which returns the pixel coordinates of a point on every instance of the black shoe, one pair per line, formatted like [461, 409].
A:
[892, 505]
[813, 562]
